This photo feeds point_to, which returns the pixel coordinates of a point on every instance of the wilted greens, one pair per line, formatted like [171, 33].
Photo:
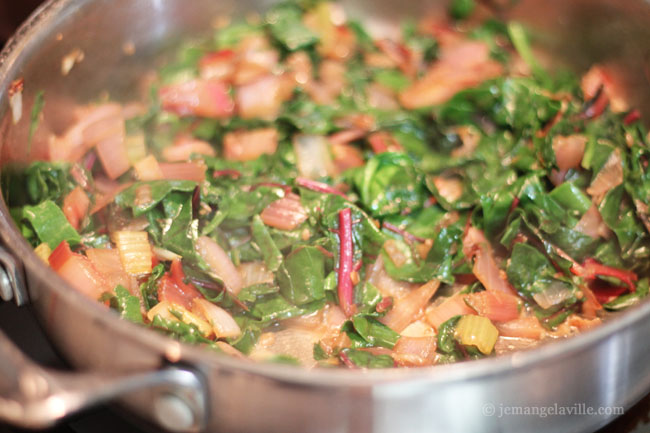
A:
[297, 191]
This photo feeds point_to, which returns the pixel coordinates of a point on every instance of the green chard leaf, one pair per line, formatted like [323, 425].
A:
[50, 224]
[272, 255]
[620, 216]
[531, 273]
[366, 331]
[529, 270]
[629, 299]
[368, 298]
[392, 79]
[461, 9]
[182, 331]
[319, 353]
[571, 197]
[35, 116]
[149, 288]
[437, 264]
[159, 189]
[450, 348]
[230, 36]
[363, 359]
[251, 293]
[285, 23]
[519, 39]
[128, 305]
[307, 116]
[181, 233]
[251, 330]
[48, 181]
[301, 276]
[389, 184]
[446, 336]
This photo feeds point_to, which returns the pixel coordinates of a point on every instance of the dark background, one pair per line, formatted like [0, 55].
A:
[21, 326]
[12, 13]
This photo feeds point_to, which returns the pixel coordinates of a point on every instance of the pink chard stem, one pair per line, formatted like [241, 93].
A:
[319, 187]
[346, 288]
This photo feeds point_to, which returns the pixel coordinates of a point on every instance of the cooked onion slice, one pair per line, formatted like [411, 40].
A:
[592, 224]
[415, 351]
[78, 271]
[409, 308]
[165, 255]
[101, 126]
[172, 287]
[453, 306]
[222, 323]
[148, 169]
[218, 65]
[313, 156]
[109, 263]
[461, 65]
[552, 295]
[250, 145]
[388, 287]
[569, 150]
[524, 327]
[201, 97]
[297, 343]
[485, 266]
[16, 99]
[75, 206]
[253, 273]
[111, 145]
[184, 147]
[610, 176]
[170, 311]
[220, 263]
[262, 98]
[286, 213]
[496, 306]
[604, 76]
[194, 171]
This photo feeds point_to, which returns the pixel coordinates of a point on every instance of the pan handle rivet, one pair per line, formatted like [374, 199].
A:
[174, 412]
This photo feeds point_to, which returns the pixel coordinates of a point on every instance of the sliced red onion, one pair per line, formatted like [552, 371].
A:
[286, 213]
[223, 325]
[407, 309]
[610, 176]
[569, 150]
[220, 263]
[552, 295]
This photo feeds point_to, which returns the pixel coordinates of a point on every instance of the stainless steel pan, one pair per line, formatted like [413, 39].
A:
[186, 388]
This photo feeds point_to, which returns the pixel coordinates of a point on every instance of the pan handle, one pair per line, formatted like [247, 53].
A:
[12, 280]
[35, 397]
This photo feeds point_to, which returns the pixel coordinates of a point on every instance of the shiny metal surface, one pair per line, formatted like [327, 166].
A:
[603, 368]
[12, 280]
[34, 397]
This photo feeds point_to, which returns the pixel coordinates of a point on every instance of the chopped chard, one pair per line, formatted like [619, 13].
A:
[345, 286]
[296, 191]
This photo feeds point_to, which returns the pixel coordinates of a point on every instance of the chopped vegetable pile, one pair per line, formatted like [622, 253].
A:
[296, 190]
